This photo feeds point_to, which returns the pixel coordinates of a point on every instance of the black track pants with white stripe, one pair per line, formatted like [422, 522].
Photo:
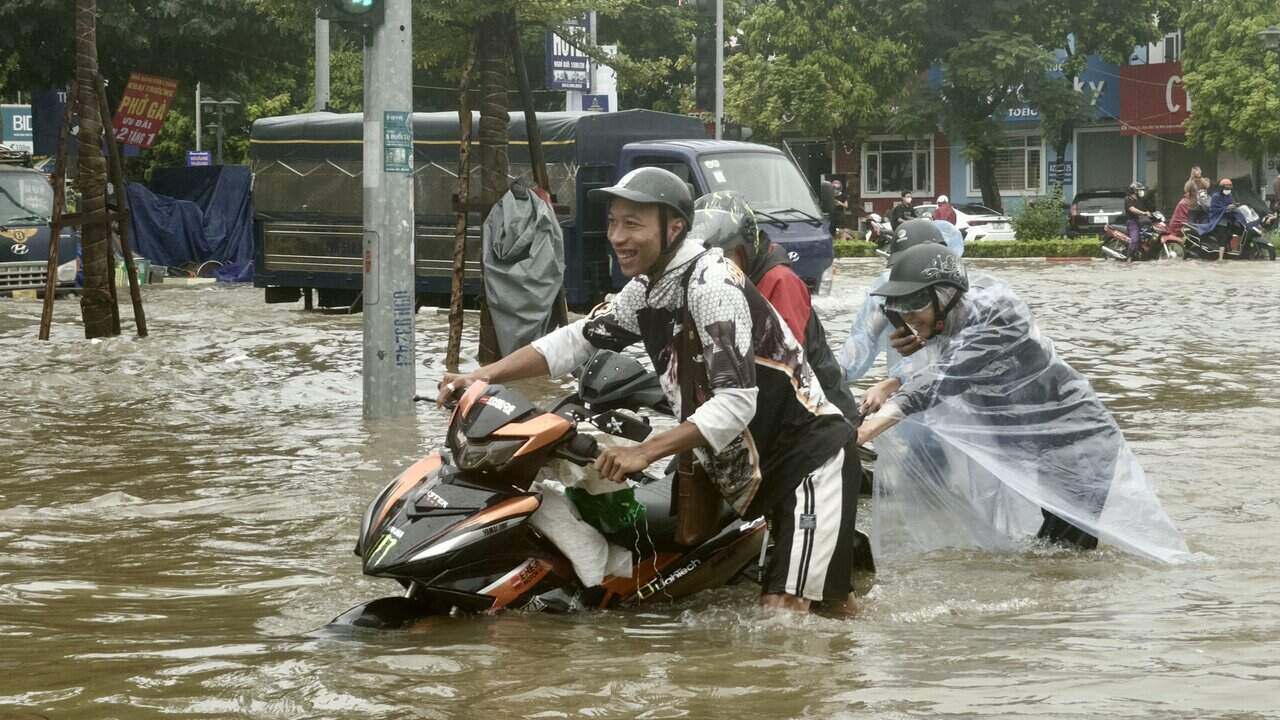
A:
[813, 531]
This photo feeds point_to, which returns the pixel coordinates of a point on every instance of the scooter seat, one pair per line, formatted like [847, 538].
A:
[660, 524]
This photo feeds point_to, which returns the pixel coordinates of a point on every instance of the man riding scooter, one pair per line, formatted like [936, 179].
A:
[720, 351]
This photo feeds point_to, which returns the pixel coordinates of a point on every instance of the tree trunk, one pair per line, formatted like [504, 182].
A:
[495, 79]
[97, 303]
[460, 222]
[984, 172]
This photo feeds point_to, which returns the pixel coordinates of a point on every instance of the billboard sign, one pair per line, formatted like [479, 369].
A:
[17, 130]
[568, 68]
[143, 109]
[1153, 99]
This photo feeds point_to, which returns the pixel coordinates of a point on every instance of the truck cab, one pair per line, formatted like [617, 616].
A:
[26, 206]
[768, 179]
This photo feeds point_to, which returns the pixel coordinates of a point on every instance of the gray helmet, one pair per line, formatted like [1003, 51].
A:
[919, 231]
[917, 272]
[724, 220]
[651, 185]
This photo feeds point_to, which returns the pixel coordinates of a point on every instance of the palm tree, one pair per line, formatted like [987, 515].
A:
[97, 303]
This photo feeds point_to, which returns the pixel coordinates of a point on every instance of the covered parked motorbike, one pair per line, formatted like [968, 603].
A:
[1238, 236]
[1153, 242]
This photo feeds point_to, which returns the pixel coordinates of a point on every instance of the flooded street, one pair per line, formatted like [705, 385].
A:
[177, 516]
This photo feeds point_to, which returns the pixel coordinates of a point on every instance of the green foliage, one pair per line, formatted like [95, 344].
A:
[1056, 247]
[1234, 83]
[1060, 247]
[815, 67]
[854, 249]
[987, 49]
[1042, 218]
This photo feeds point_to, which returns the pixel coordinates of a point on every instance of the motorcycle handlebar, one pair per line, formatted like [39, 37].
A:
[583, 450]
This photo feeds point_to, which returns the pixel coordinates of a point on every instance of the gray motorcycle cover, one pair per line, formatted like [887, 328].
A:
[996, 428]
[523, 267]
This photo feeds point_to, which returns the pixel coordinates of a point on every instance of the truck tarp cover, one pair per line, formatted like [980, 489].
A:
[523, 267]
[998, 427]
[190, 215]
[582, 137]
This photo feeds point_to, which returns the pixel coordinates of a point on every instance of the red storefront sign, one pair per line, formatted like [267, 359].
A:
[142, 109]
[1153, 99]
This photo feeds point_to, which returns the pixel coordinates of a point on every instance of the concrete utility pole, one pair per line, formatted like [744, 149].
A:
[322, 63]
[719, 69]
[388, 217]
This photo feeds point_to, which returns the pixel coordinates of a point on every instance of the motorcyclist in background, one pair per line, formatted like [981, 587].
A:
[1135, 215]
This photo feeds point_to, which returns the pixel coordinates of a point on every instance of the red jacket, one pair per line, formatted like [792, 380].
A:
[945, 212]
[1179, 218]
[788, 294]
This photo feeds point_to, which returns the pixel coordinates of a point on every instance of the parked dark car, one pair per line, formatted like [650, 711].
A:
[1092, 210]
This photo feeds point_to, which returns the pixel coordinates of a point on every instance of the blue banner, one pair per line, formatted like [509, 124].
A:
[568, 68]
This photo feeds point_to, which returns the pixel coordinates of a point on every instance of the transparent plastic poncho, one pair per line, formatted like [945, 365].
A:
[996, 429]
[869, 333]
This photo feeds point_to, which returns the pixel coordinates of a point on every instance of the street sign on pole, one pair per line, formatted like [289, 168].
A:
[199, 158]
[388, 297]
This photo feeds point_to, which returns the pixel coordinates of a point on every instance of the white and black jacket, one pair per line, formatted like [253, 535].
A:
[767, 423]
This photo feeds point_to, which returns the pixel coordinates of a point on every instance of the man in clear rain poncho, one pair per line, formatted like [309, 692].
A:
[871, 334]
[1024, 446]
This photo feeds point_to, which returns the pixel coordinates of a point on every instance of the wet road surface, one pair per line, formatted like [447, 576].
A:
[177, 516]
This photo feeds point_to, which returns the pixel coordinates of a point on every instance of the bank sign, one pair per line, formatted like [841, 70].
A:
[1153, 99]
[18, 131]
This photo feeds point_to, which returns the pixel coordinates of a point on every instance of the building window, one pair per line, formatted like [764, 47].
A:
[891, 166]
[1019, 167]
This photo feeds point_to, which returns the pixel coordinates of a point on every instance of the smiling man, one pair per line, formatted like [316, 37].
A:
[721, 351]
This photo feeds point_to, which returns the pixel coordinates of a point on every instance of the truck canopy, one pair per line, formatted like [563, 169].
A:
[309, 165]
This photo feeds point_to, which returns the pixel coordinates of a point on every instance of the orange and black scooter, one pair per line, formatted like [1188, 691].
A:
[454, 528]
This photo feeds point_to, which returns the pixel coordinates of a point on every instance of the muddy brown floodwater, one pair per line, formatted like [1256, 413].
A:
[177, 516]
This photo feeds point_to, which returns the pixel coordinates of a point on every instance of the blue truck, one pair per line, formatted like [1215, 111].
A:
[307, 196]
[26, 206]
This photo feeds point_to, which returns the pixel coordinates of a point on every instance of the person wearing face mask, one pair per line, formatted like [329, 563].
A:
[1222, 209]
[902, 211]
[1135, 215]
[1025, 447]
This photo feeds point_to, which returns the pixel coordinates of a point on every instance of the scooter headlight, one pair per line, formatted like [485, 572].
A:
[489, 456]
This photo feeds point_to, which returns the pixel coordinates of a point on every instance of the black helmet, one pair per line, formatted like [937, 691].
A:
[919, 231]
[651, 185]
[915, 275]
[1136, 187]
[724, 220]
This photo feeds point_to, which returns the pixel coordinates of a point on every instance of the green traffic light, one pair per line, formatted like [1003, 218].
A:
[354, 7]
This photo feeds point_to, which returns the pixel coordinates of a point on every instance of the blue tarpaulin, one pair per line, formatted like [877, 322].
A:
[191, 215]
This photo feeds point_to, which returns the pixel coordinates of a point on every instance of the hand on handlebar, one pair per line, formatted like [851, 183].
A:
[617, 463]
[452, 385]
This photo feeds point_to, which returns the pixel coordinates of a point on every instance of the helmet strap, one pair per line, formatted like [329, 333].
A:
[939, 312]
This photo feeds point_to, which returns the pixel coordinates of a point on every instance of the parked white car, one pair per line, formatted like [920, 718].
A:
[975, 222]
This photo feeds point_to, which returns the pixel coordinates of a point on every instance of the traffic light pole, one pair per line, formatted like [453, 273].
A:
[322, 63]
[719, 69]
[388, 297]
